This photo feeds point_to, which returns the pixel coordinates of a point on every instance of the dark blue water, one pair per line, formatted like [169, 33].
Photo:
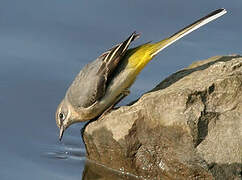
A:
[43, 45]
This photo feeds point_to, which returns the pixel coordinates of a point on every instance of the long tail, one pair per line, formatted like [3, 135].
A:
[159, 46]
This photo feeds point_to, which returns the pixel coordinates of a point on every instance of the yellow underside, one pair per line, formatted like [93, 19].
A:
[139, 57]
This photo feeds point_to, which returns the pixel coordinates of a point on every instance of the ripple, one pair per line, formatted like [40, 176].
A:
[56, 155]
[64, 152]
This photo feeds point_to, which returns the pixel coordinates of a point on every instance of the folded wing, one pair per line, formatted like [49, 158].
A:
[90, 84]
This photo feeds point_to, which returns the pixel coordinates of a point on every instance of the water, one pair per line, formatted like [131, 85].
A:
[43, 45]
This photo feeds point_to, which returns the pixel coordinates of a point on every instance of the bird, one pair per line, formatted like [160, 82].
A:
[104, 82]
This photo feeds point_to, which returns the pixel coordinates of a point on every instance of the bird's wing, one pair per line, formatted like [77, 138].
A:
[110, 61]
[90, 84]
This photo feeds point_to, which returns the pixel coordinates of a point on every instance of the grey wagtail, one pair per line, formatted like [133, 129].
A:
[104, 82]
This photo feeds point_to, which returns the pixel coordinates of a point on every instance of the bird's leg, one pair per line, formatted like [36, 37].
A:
[125, 93]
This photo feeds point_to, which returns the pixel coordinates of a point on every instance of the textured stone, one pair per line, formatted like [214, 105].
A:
[188, 127]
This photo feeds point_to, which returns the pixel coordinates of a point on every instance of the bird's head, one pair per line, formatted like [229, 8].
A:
[65, 116]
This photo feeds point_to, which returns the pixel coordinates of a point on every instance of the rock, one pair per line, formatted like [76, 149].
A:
[188, 127]
[95, 171]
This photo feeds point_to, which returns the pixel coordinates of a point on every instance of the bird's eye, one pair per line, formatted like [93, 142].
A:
[61, 116]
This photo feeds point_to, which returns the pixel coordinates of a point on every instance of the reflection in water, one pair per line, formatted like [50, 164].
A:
[65, 152]
[93, 171]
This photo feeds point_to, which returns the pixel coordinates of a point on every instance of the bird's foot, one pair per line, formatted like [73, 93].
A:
[125, 93]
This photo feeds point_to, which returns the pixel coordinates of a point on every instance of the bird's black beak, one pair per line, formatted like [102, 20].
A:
[61, 132]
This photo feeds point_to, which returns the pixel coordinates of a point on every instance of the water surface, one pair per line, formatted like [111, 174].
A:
[43, 45]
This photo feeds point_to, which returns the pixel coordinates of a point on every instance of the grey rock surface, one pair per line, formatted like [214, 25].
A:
[188, 127]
